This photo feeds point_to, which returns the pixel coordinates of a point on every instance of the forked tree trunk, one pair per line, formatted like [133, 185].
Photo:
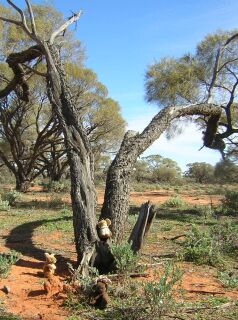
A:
[116, 197]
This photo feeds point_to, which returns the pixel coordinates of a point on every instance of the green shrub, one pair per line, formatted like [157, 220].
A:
[166, 227]
[8, 316]
[55, 202]
[141, 187]
[6, 261]
[174, 202]
[201, 248]
[226, 235]
[56, 186]
[11, 196]
[228, 279]
[205, 211]
[230, 202]
[125, 259]
[208, 246]
[158, 294]
[4, 205]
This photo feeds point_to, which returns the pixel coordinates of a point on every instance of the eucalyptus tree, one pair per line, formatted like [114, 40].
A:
[163, 169]
[200, 172]
[208, 76]
[28, 128]
[79, 149]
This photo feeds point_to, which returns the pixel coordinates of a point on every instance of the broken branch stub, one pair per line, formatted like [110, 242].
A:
[142, 226]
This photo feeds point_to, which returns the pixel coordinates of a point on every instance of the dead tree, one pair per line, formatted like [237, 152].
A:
[79, 153]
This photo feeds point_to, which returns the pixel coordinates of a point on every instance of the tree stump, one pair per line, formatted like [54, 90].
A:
[142, 226]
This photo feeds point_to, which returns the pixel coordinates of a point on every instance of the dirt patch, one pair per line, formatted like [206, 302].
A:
[136, 198]
[27, 297]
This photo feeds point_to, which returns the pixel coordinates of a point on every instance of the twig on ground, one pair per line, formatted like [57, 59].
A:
[205, 292]
[132, 275]
[176, 237]
[150, 264]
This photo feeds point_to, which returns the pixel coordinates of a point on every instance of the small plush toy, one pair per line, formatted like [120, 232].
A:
[99, 298]
[49, 266]
[103, 229]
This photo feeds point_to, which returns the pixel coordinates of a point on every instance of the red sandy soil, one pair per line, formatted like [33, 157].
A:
[28, 299]
[136, 198]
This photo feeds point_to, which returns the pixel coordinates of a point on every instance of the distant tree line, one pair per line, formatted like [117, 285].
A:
[157, 169]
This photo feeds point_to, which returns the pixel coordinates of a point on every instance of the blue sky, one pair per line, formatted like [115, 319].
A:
[123, 37]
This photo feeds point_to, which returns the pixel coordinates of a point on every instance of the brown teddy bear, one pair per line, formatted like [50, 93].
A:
[99, 298]
[103, 229]
[49, 266]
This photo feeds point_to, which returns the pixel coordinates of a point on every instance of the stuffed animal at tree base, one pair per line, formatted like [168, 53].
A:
[103, 229]
[99, 298]
[49, 266]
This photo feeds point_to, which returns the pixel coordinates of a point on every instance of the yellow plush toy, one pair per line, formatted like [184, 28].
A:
[49, 266]
[103, 229]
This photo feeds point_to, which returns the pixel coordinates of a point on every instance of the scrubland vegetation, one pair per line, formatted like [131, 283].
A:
[184, 238]
[58, 130]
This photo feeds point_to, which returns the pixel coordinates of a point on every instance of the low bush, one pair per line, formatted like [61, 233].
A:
[56, 186]
[226, 236]
[141, 187]
[201, 248]
[6, 261]
[4, 205]
[11, 196]
[56, 202]
[228, 279]
[209, 247]
[174, 202]
[158, 293]
[8, 316]
[230, 202]
[125, 258]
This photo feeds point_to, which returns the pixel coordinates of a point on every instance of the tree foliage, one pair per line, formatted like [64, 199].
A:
[226, 171]
[209, 75]
[28, 130]
[155, 168]
[200, 172]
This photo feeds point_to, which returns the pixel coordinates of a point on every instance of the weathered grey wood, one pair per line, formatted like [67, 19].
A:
[142, 226]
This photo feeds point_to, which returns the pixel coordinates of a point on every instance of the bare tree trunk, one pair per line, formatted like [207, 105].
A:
[80, 159]
[22, 183]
